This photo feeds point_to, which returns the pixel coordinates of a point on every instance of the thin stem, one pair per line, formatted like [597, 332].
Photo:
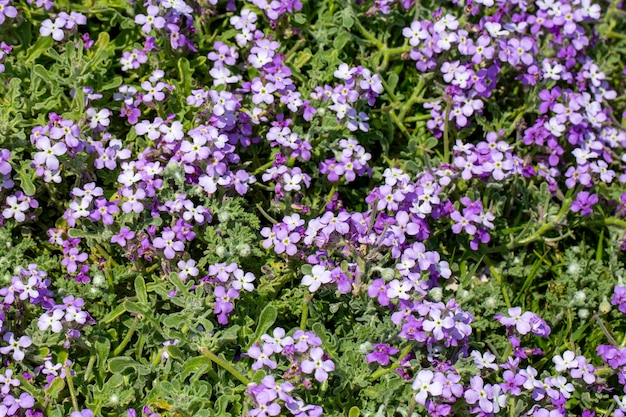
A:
[397, 51]
[70, 385]
[400, 125]
[225, 365]
[92, 361]
[368, 35]
[546, 226]
[382, 371]
[612, 34]
[412, 404]
[611, 221]
[418, 118]
[129, 335]
[605, 330]
[305, 312]
[446, 128]
[264, 213]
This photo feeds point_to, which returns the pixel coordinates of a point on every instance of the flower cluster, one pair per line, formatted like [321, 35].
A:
[197, 113]
[305, 357]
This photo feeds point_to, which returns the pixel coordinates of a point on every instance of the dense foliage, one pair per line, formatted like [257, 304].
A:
[289, 207]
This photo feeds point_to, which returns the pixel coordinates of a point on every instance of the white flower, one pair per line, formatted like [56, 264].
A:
[344, 72]
[56, 28]
[319, 276]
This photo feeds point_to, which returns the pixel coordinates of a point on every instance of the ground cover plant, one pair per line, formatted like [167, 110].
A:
[289, 207]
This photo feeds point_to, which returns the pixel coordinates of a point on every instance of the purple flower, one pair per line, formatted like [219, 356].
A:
[51, 320]
[262, 356]
[381, 354]
[463, 222]
[6, 10]
[425, 383]
[12, 404]
[169, 244]
[319, 275]
[49, 153]
[15, 346]
[133, 199]
[583, 203]
[318, 365]
[55, 29]
[82, 413]
[124, 235]
[522, 322]
[187, 268]
[262, 92]
[223, 304]
[265, 406]
[72, 258]
[480, 393]
[15, 209]
[151, 19]
[512, 382]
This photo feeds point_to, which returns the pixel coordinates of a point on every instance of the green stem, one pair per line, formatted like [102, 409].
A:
[225, 365]
[293, 50]
[129, 335]
[418, 118]
[263, 168]
[92, 361]
[382, 371]
[413, 99]
[368, 35]
[412, 404]
[70, 385]
[547, 226]
[397, 51]
[611, 221]
[446, 128]
[400, 125]
[605, 330]
[612, 34]
[264, 213]
[305, 311]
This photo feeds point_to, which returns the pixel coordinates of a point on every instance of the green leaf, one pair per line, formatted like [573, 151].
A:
[392, 81]
[115, 313]
[140, 289]
[197, 366]
[42, 72]
[121, 363]
[114, 83]
[180, 285]
[185, 73]
[302, 57]
[299, 18]
[306, 269]
[103, 347]
[340, 41]
[347, 21]
[80, 233]
[132, 307]
[55, 388]
[174, 351]
[99, 52]
[266, 320]
[42, 44]
[354, 412]
[26, 176]
[431, 142]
